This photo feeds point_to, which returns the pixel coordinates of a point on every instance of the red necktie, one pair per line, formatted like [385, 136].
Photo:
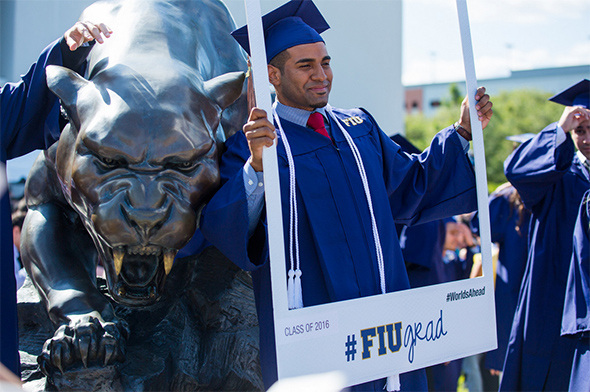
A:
[316, 122]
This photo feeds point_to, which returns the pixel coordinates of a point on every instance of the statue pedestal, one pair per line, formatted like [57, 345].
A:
[202, 335]
[99, 379]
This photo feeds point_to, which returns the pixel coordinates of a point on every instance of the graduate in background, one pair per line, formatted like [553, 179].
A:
[509, 224]
[342, 179]
[575, 323]
[29, 120]
[551, 178]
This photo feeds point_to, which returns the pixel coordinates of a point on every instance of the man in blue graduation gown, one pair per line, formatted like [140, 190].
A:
[336, 209]
[509, 224]
[551, 178]
[29, 120]
[575, 323]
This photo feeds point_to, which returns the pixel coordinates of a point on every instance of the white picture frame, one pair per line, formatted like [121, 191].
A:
[379, 336]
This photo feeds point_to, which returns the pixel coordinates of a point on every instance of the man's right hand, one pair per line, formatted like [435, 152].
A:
[83, 32]
[260, 133]
[572, 117]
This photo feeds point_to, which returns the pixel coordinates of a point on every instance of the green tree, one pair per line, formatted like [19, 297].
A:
[456, 96]
[515, 112]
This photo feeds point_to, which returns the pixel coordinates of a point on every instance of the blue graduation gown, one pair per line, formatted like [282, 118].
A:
[551, 181]
[29, 120]
[576, 312]
[513, 244]
[422, 249]
[338, 260]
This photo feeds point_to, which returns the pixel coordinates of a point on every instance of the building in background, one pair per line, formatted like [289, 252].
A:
[426, 98]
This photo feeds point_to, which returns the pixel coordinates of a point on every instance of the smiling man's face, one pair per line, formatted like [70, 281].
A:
[305, 80]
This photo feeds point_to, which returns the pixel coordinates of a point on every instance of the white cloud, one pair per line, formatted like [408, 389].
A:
[528, 11]
[507, 35]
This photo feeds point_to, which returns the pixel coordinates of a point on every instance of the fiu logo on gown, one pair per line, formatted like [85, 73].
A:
[351, 121]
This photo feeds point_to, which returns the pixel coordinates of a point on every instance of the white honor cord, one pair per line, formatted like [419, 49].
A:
[294, 282]
[393, 382]
[362, 172]
[294, 291]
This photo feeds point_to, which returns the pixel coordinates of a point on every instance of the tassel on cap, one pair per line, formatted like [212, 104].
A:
[250, 94]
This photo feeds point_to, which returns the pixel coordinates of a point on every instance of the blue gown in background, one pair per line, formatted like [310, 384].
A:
[576, 311]
[513, 247]
[338, 259]
[422, 248]
[29, 121]
[551, 181]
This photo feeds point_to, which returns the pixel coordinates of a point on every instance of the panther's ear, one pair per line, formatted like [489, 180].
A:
[66, 84]
[225, 89]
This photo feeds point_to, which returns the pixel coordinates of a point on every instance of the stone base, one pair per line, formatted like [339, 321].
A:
[201, 335]
[99, 379]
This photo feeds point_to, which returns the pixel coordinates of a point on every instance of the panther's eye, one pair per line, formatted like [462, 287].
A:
[109, 163]
[182, 166]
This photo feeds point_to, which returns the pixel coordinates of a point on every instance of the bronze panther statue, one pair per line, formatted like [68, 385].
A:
[124, 184]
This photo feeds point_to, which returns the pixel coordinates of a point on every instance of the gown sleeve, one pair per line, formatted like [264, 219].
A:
[538, 164]
[500, 213]
[29, 120]
[436, 184]
[576, 311]
[29, 110]
[224, 220]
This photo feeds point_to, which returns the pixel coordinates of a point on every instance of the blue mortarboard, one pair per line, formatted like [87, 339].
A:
[576, 95]
[294, 23]
[405, 144]
[523, 137]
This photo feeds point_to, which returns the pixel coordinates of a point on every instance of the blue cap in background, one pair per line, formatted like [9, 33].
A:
[576, 95]
[523, 137]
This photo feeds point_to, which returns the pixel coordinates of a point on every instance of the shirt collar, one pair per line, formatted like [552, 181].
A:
[297, 116]
[583, 159]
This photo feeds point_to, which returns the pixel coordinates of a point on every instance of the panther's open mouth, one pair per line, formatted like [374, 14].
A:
[140, 273]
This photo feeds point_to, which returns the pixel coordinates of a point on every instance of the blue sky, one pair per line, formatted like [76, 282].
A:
[506, 35]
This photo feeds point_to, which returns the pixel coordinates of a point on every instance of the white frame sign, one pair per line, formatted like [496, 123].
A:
[379, 336]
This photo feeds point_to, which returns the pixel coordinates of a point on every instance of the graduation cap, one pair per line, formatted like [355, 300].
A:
[523, 137]
[294, 23]
[405, 144]
[576, 95]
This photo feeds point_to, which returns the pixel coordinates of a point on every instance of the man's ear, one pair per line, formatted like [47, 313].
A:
[274, 75]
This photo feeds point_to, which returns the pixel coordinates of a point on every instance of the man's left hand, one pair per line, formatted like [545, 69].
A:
[483, 107]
